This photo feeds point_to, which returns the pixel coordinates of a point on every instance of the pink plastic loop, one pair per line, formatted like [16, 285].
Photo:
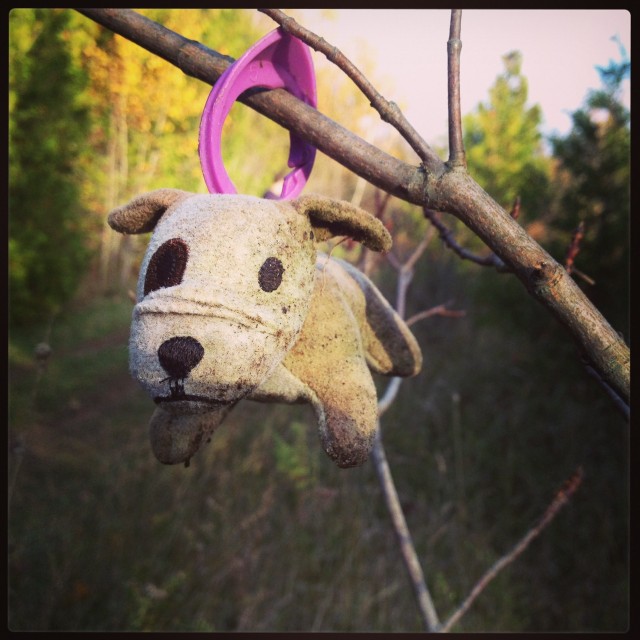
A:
[278, 60]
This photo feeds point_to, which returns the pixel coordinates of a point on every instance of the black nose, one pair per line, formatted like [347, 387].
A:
[178, 356]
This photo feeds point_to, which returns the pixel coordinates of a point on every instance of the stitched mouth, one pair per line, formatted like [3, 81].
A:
[190, 402]
[188, 397]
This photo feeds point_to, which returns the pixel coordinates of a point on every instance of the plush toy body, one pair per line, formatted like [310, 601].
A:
[233, 302]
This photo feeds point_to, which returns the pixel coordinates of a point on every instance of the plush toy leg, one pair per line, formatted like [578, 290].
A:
[329, 359]
[283, 386]
[391, 348]
[175, 438]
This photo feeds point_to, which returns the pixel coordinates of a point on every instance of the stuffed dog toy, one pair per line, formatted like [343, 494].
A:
[234, 302]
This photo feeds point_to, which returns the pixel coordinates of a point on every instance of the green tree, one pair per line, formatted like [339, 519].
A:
[592, 183]
[48, 125]
[505, 154]
[504, 145]
[145, 120]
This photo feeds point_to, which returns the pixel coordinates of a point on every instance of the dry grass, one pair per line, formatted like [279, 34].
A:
[263, 533]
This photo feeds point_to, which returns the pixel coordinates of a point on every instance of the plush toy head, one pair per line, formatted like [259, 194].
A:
[224, 290]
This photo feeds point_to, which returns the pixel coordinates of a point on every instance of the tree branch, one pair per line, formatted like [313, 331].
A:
[515, 209]
[389, 111]
[561, 499]
[574, 247]
[452, 191]
[198, 61]
[446, 235]
[545, 279]
[407, 549]
[457, 158]
[439, 310]
[620, 404]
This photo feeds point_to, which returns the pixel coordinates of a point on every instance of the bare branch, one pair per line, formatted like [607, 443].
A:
[389, 111]
[393, 261]
[368, 257]
[389, 395]
[574, 247]
[381, 199]
[196, 60]
[457, 158]
[398, 521]
[420, 249]
[572, 252]
[446, 235]
[407, 549]
[439, 189]
[410, 263]
[404, 280]
[584, 276]
[620, 404]
[440, 310]
[515, 209]
[561, 499]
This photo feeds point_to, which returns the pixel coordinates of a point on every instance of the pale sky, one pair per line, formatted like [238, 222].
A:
[560, 49]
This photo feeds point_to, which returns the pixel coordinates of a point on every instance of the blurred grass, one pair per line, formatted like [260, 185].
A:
[263, 533]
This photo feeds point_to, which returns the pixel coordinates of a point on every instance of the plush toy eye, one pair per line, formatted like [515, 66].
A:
[270, 275]
[167, 265]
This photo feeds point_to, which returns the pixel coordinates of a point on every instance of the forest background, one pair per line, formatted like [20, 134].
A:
[262, 532]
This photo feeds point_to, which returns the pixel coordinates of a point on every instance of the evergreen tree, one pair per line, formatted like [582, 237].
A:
[592, 183]
[48, 125]
[504, 145]
[505, 154]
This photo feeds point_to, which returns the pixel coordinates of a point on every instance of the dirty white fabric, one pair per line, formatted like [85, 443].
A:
[233, 302]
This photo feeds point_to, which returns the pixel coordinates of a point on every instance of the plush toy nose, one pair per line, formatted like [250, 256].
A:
[178, 356]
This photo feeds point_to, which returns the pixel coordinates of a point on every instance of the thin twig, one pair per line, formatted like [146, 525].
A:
[407, 549]
[381, 199]
[515, 209]
[584, 276]
[406, 270]
[389, 395]
[368, 257]
[574, 247]
[560, 500]
[405, 276]
[620, 404]
[446, 234]
[572, 252]
[389, 111]
[420, 249]
[393, 261]
[457, 158]
[440, 310]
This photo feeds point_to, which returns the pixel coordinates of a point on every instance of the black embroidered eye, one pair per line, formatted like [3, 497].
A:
[270, 275]
[167, 265]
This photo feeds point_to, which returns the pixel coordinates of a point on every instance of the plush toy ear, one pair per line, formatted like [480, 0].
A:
[331, 218]
[143, 212]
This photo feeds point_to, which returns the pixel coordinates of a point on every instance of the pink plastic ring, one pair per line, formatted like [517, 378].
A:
[278, 60]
